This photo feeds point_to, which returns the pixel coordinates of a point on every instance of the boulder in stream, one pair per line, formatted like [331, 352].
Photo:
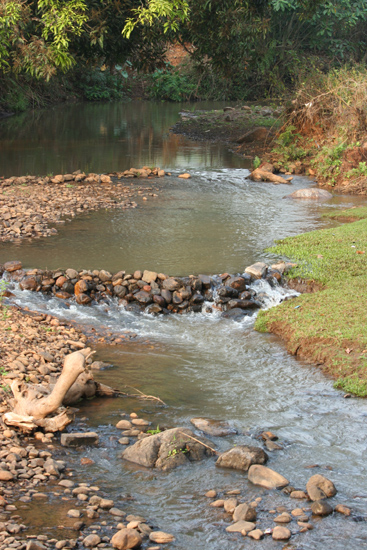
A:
[242, 457]
[311, 193]
[265, 477]
[169, 449]
[215, 428]
[319, 487]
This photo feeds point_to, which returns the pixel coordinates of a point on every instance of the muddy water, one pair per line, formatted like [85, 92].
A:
[216, 221]
[200, 365]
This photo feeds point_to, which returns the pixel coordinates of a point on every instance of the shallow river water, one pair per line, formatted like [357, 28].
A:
[199, 364]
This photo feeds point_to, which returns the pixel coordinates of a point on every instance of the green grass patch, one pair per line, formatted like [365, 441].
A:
[357, 213]
[329, 326]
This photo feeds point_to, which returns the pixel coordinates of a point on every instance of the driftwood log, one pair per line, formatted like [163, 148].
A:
[33, 404]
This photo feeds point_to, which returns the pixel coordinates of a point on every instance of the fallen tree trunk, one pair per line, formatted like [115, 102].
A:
[32, 404]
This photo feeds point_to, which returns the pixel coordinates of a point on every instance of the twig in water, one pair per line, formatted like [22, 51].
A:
[142, 395]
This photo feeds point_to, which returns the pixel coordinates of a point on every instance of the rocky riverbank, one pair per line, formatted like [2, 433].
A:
[154, 293]
[31, 205]
[34, 468]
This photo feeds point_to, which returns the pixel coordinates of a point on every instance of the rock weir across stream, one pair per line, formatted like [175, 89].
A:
[150, 292]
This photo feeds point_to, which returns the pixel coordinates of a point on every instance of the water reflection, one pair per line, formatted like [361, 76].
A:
[104, 138]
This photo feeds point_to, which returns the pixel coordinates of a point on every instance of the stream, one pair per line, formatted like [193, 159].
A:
[198, 364]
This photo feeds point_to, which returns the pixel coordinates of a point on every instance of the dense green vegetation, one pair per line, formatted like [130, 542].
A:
[239, 48]
[328, 327]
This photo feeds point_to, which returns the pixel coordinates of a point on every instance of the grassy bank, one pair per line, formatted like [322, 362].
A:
[328, 327]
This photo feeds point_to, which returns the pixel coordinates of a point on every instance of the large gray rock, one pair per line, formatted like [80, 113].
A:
[265, 477]
[242, 457]
[311, 193]
[168, 449]
[319, 487]
[215, 428]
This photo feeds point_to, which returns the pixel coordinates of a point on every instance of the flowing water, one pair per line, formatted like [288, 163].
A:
[199, 364]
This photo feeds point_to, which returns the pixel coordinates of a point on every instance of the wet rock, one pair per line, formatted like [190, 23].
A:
[83, 299]
[167, 449]
[217, 503]
[242, 457]
[106, 503]
[211, 494]
[171, 284]
[343, 509]
[298, 494]
[74, 513]
[230, 505]
[140, 422]
[80, 287]
[272, 446]
[149, 276]
[117, 512]
[126, 538]
[257, 271]
[29, 282]
[160, 537]
[265, 477]
[256, 534]
[120, 291]
[71, 274]
[66, 483]
[215, 428]
[321, 508]
[228, 292]
[77, 439]
[244, 512]
[124, 425]
[283, 518]
[239, 283]
[281, 533]
[235, 314]
[143, 297]
[91, 541]
[205, 280]
[12, 266]
[35, 545]
[319, 487]
[105, 276]
[311, 193]
[240, 526]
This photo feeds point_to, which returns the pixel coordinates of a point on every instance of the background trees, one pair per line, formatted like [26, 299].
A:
[257, 45]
